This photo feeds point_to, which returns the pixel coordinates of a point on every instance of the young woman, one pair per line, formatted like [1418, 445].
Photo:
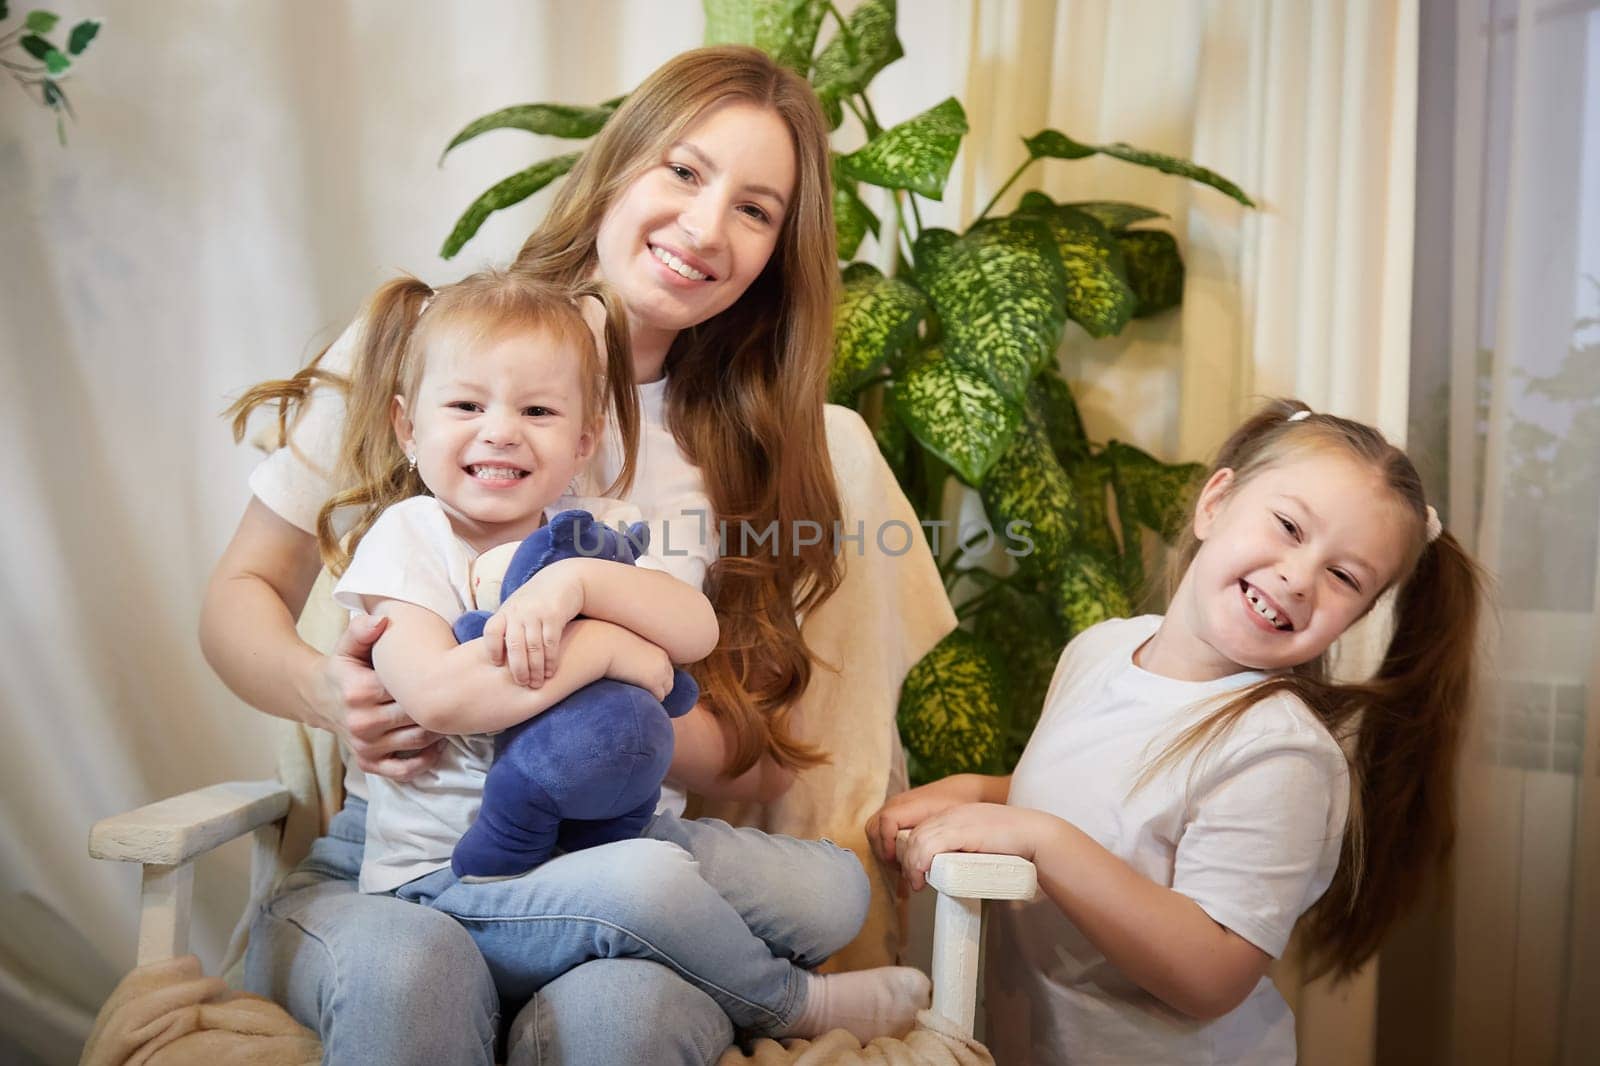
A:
[704, 205]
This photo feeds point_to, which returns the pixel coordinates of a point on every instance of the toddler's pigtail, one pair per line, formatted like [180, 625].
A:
[370, 460]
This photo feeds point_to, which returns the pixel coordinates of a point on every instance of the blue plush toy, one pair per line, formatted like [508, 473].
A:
[587, 771]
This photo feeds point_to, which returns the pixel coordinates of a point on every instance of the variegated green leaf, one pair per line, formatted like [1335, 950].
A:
[1155, 269]
[555, 120]
[874, 323]
[1153, 493]
[784, 29]
[956, 414]
[1052, 398]
[894, 442]
[1027, 485]
[1056, 145]
[1097, 295]
[863, 46]
[1115, 215]
[852, 219]
[916, 154]
[515, 189]
[998, 294]
[950, 707]
[1091, 482]
[1019, 622]
[1088, 591]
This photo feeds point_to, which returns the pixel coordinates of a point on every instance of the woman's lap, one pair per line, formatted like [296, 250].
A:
[384, 980]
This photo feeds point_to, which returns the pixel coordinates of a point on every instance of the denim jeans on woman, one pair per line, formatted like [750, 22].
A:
[384, 980]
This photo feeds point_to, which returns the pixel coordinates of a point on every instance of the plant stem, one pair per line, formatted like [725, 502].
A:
[905, 228]
[911, 198]
[867, 124]
[977, 603]
[1012, 180]
[844, 26]
[871, 116]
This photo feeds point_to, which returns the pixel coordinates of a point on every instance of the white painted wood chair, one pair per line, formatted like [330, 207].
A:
[166, 837]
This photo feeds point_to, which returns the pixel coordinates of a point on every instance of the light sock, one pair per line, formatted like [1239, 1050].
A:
[869, 1003]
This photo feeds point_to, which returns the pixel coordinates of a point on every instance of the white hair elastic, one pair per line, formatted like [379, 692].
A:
[1434, 527]
[426, 300]
[1299, 416]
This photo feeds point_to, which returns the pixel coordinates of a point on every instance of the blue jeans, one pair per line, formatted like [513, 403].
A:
[684, 895]
[384, 981]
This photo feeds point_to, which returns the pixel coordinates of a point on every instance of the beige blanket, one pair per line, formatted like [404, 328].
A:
[170, 1014]
[934, 1042]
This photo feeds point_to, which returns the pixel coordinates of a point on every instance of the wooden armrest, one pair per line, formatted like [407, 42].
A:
[173, 831]
[971, 875]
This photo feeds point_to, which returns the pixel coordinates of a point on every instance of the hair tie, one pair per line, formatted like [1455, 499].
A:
[1300, 415]
[426, 300]
[1433, 526]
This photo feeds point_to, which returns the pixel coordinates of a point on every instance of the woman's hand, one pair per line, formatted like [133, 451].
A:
[524, 635]
[910, 809]
[991, 828]
[356, 708]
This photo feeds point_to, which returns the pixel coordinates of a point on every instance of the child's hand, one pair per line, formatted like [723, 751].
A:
[910, 809]
[991, 828]
[636, 661]
[524, 635]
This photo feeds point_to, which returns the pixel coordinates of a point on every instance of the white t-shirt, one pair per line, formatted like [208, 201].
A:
[668, 491]
[1251, 832]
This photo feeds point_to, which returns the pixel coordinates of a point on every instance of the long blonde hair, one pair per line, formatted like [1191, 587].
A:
[746, 387]
[1402, 728]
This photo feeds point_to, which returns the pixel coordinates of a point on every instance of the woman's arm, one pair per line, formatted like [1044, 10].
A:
[525, 633]
[1161, 939]
[701, 755]
[247, 634]
[450, 688]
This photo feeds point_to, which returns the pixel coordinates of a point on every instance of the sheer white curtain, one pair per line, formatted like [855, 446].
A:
[242, 175]
[1508, 380]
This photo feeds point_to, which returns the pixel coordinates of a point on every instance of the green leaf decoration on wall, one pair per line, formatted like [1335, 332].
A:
[917, 154]
[1089, 591]
[1154, 268]
[874, 324]
[784, 29]
[1027, 485]
[515, 189]
[951, 705]
[863, 47]
[45, 52]
[81, 35]
[41, 21]
[554, 120]
[998, 294]
[1097, 294]
[955, 414]
[1056, 145]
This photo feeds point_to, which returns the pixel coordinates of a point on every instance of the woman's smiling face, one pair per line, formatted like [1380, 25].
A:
[1288, 560]
[684, 241]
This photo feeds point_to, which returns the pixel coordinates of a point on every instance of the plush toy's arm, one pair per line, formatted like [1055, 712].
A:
[453, 688]
[653, 604]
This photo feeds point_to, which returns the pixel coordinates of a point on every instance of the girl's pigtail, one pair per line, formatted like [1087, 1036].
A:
[370, 460]
[1412, 721]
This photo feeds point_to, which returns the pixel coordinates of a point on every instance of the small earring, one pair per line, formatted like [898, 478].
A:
[411, 462]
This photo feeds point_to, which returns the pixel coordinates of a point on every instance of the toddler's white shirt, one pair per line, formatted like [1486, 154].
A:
[1250, 831]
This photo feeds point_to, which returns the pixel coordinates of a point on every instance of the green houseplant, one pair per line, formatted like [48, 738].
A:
[37, 64]
[951, 358]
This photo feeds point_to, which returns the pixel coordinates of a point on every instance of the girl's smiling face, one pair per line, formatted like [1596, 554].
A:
[1288, 561]
[498, 431]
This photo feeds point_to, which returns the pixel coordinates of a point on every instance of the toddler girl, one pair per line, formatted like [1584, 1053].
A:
[499, 406]
[1186, 792]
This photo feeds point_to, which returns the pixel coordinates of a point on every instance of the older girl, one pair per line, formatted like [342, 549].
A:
[704, 205]
[1185, 794]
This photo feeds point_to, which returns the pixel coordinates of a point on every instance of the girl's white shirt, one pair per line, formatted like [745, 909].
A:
[668, 491]
[1250, 830]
